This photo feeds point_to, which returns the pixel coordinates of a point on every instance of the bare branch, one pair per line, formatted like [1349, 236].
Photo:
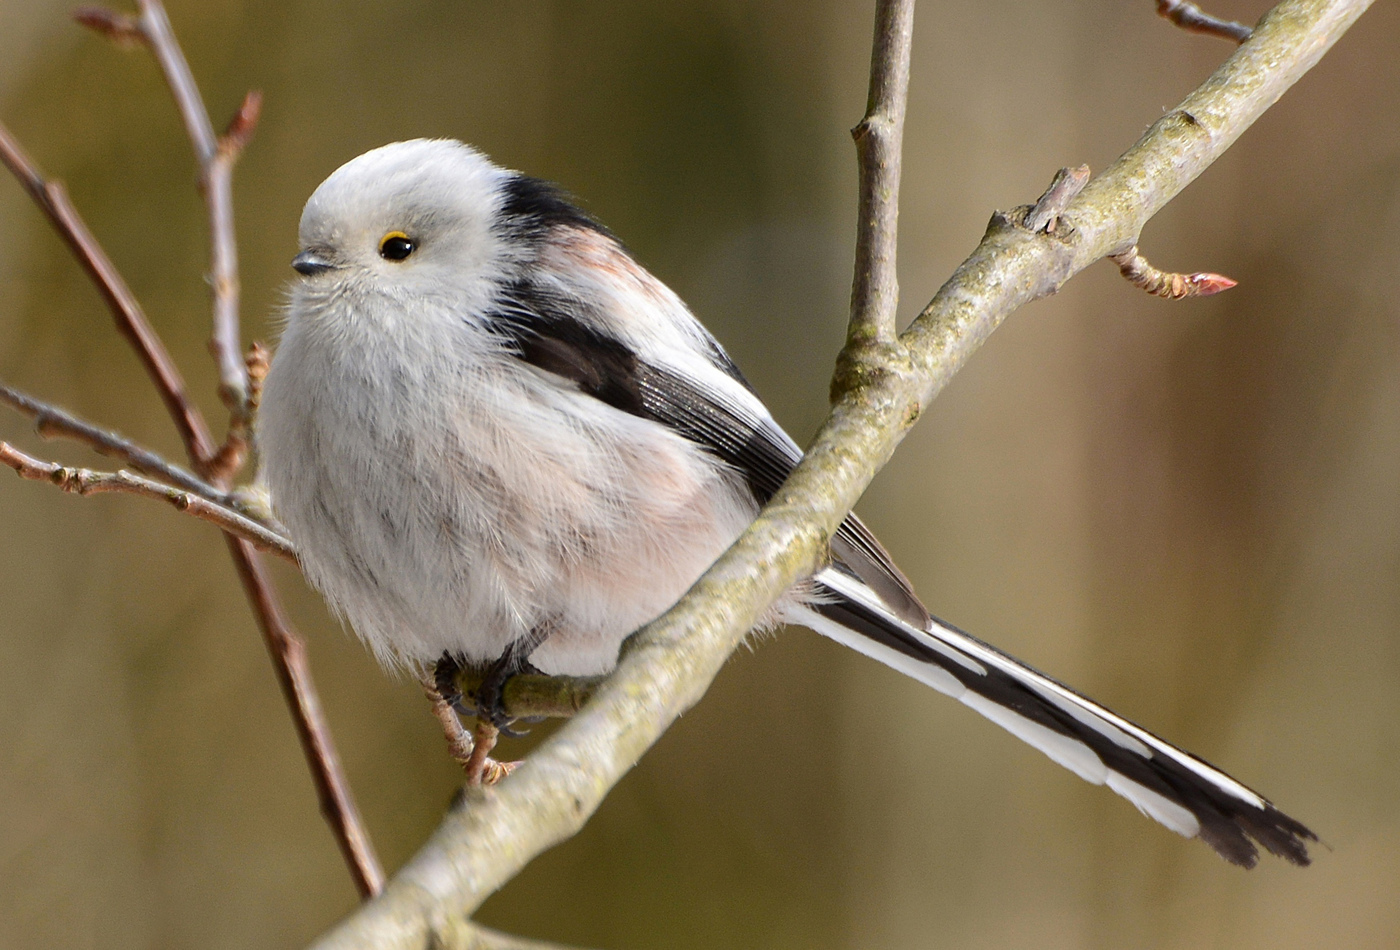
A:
[230, 456]
[477, 937]
[216, 156]
[483, 938]
[52, 199]
[51, 421]
[224, 342]
[526, 694]
[1193, 19]
[85, 481]
[287, 650]
[666, 667]
[1138, 272]
[879, 141]
[154, 27]
[1044, 215]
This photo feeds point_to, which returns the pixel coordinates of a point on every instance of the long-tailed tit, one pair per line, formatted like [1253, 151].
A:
[495, 437]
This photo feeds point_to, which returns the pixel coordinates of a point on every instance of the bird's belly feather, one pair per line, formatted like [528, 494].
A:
[520, 505]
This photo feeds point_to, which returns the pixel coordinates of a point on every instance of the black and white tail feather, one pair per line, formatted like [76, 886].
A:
[1188, 795]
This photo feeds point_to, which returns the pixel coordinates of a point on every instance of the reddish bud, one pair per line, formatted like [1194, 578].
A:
[241, 126]
[118, 27]
[1203, 285]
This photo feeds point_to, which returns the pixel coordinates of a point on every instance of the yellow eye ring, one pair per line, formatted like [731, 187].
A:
[396, 246]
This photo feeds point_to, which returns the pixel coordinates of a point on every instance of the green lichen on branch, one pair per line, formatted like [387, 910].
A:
[526, 694]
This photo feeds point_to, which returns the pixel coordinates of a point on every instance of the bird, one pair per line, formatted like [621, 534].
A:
[499, 441]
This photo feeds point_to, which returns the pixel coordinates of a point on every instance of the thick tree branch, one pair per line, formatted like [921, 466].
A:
[526, 695]
[666, 667]
[476, 937]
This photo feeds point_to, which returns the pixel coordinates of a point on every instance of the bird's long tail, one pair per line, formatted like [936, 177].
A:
[1189, 796]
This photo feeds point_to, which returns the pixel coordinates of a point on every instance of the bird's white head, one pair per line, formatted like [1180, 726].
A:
[412, 218]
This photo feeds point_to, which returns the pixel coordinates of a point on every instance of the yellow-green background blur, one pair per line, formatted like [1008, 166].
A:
[1190, 511]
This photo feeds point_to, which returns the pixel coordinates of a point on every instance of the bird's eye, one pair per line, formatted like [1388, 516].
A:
[396, 246]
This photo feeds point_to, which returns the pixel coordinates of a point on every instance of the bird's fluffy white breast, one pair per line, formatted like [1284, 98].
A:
[447, 497]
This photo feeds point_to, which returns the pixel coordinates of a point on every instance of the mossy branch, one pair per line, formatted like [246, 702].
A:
[527, 695]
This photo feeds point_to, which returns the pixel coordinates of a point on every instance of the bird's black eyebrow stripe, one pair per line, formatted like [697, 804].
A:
[533, 206]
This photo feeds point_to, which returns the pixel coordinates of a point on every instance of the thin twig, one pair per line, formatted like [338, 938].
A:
[1044, 215]
[667, 666]
[294, 676]
[50, 421]
[85, 481]
[1138, 272]
[286, 648]
[216, 156]
[118, 27]
[1193, 19]
[52, 199]
[879, 140]
[217, 182]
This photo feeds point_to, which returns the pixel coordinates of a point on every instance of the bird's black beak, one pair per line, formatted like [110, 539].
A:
[311, 262]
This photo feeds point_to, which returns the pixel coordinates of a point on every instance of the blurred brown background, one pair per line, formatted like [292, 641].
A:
[1190, 511]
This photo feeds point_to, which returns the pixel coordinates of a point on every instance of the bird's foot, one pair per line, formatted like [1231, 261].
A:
[478, 763]
[470, 752]
[444, 682]
[490, 695]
